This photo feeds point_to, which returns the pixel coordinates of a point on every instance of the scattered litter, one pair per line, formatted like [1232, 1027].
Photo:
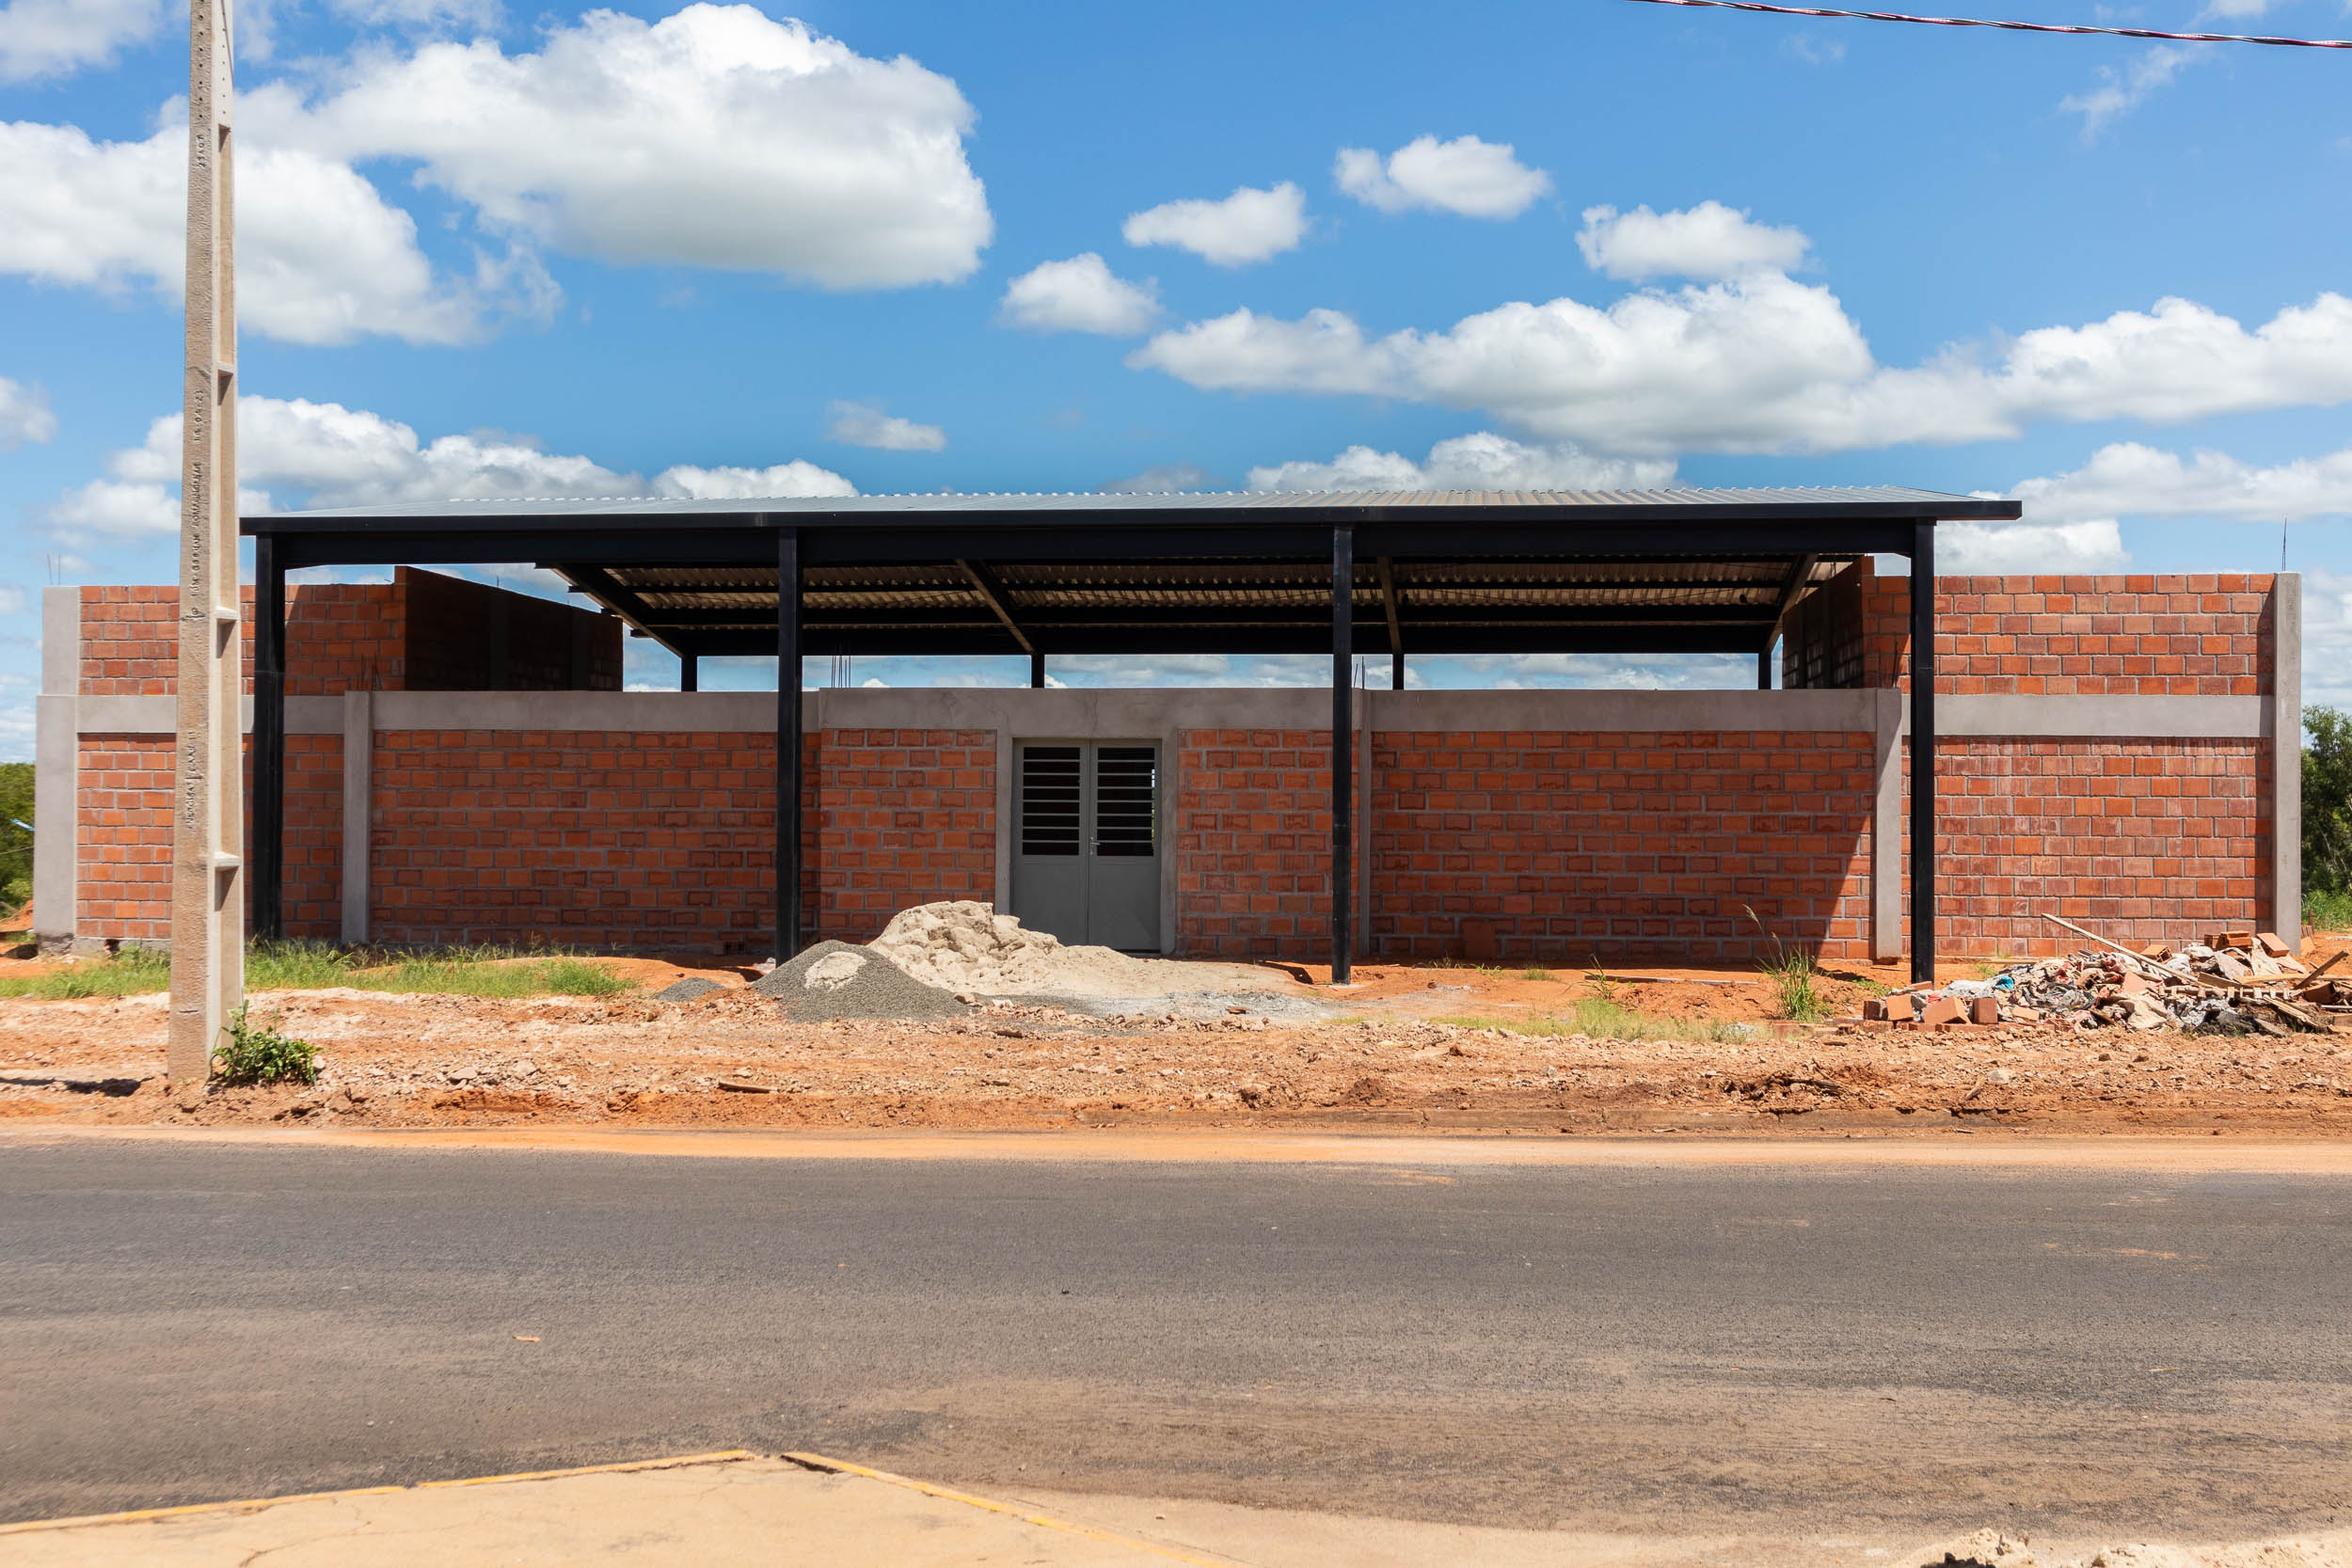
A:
[743, 1086]
[835, 979]
[687, 990]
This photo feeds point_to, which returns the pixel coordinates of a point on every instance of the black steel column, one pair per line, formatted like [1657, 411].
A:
[1037, 672]
[1342, 743]
[1923, 752]
[690, 672]
[1396, 672]
[1764, 671]
[787, 743]
[265, 848]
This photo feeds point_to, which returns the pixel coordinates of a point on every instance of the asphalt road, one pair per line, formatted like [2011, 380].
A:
[1787, 1348]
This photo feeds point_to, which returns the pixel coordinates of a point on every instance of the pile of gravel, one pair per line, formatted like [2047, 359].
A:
[687, 990]
[835, 979]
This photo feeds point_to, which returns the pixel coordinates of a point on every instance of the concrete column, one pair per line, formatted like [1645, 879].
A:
[57, 771]
[358, 813]
[2286, 759]
[1887, 828]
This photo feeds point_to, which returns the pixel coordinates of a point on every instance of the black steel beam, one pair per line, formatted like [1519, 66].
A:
[820, 642]
[1343, 746]
[992, 595]
[598, 584]
[1388, 605]
[787, 545]
[1922, 555]
[266, 855]
[1050, 629]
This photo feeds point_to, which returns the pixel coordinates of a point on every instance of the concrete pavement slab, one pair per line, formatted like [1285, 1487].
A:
[696, 1516]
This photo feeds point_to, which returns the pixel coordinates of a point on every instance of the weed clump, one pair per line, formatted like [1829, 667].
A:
[261, 1053]
[1792, 972]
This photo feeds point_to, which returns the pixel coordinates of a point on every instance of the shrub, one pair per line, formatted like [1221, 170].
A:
[259, 1054]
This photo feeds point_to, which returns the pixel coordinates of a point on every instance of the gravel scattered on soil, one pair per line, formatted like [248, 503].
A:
[835, 979]
[687, 990]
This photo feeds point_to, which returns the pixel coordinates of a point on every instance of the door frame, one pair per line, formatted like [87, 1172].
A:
[1009, 746]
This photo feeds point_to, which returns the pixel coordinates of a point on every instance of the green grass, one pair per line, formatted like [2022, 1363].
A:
[1601, 1019]
[125, 974]
[1534, 974]
[314, 966]
[2327, 912]
[1793, 972]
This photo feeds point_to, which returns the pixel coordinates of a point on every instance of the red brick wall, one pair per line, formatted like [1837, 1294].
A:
[339, 637]
[1622, 846]
[907, 818]
[2081, 636]
[124, 802]
[312, 888]
[648, 841]
[1252, 840]
[2138, 840]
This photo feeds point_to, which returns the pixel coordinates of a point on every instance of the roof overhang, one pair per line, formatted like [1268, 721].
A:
[1634, 572]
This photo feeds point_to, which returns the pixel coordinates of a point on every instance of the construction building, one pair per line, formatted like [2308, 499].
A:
[434, 761]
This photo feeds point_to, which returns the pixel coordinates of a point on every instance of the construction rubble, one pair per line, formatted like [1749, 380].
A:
[2231, 983]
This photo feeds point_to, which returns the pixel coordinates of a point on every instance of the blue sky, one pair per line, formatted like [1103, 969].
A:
[729, 250]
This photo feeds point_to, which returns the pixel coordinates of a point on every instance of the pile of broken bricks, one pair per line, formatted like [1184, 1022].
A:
[2231, 983]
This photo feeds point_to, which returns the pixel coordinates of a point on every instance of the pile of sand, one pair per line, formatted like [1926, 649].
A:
[833, 979]
[967, 946]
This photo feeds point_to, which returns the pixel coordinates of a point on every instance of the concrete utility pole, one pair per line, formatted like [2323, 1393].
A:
[208, 796]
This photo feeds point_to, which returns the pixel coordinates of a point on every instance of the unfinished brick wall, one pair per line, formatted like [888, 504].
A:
[1253, 842]
[2196, 635]
[649, 841]
[419, 632]
[1618, 845]
[2141, 840]
[123, 802]
[339, 637]
[907, 818]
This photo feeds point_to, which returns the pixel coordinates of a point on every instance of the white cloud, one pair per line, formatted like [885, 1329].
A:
[115, 509]
[1476, 178]
[2127, 479]
[50, 38]
[1706, 242]
[796, 478]
[2236, 9]
[714, 137]
[864, 424]
[1479, 461]
[1814, 50]
[1994, 549]
[325, 454]
[2119, 92]
[24, 415]
[322, 257]
[2326, 638]
[1247, 225]
[1758, 362]
[417, 13]
[1081, 295]
[1164, 479]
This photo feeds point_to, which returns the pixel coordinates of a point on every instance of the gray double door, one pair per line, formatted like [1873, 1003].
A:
[1085, 854]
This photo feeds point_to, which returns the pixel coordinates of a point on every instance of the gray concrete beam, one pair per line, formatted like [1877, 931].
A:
[2286, 759]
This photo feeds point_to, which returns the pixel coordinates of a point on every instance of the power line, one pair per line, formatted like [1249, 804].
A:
[2012, 26]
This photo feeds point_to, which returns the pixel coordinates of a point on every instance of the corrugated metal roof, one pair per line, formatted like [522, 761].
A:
[966, 502]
